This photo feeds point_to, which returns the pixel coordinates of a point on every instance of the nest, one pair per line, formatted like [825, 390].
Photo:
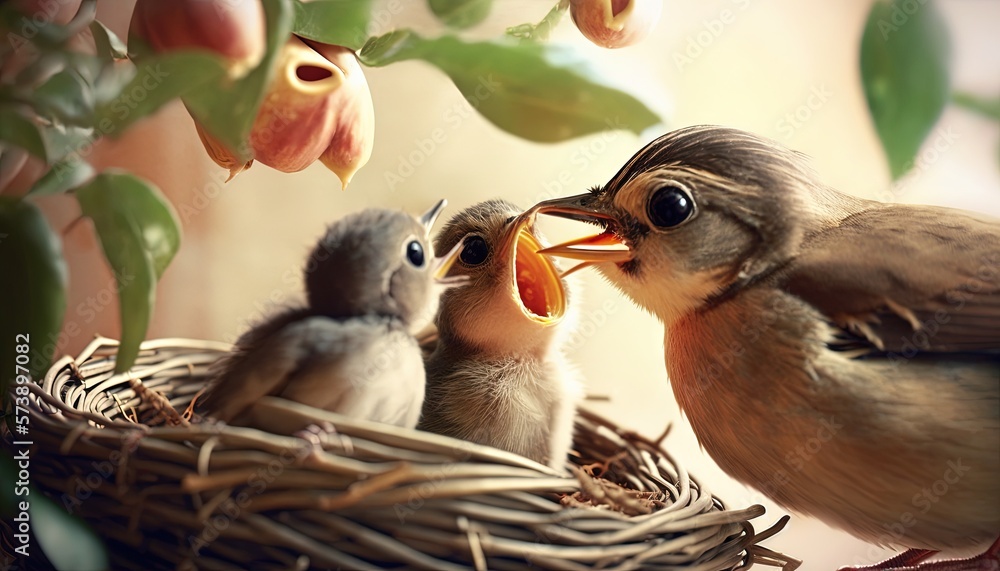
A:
[305, 488]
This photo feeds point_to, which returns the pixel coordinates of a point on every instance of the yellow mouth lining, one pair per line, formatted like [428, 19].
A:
[538, 288]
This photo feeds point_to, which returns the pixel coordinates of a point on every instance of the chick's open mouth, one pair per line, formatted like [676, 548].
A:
[537, 286]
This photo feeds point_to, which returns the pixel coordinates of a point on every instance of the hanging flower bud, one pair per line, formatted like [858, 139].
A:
[615, 23]
[350, 147]
[297, 117]
[220, 154]
[231, 28]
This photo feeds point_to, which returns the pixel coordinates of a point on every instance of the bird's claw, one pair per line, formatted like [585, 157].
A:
[317, 434]
[911, 561]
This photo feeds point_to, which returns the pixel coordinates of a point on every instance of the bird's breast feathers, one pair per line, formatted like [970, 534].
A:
[852, 441]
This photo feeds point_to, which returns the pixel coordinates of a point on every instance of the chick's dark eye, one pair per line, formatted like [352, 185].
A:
[669, 206]
[475, 250]
[415, 253]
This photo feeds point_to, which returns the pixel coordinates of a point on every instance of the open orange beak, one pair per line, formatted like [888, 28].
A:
[595, 249]
[535, 281]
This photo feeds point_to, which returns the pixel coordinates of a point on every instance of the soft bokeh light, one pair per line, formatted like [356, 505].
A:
[786, 69]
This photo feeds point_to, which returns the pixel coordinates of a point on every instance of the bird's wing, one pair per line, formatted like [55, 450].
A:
[288, 348]
[367, 368]
[905, 279]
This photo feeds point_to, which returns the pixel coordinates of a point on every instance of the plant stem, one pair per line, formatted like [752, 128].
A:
[540, 32]
[977, 104]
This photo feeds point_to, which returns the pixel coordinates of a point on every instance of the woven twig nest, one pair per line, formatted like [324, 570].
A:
[164, 493]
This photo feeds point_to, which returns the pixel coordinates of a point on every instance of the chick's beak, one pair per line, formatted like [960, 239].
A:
[428, 218]
[535, 282]
[603, 247]
[441, 265]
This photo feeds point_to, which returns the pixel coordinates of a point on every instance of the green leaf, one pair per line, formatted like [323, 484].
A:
[227, 109]
[383, 50]
[460, 14]
[22, 132]
[539, 92]
[43, 67]
[66, 140]
[63, 176]
[8, 498]
[108, 44]
[337, 22]
[904, 69]
[154, 82]
[66, 96]
[67, 541]
[139, 234]
[20, 27]
[983, 105]
[33, 288]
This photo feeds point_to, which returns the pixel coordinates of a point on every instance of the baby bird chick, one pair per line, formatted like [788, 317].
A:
[497, 376]
[370, 284]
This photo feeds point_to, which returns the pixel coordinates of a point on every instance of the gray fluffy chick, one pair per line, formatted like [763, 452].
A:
[370, 283]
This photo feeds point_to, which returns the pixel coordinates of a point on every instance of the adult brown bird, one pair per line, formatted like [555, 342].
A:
[798, 317]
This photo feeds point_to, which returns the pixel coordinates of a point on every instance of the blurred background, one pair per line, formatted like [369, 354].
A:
[786, 69]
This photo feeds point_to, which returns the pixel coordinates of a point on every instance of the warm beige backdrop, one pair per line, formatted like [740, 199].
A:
[245, 242]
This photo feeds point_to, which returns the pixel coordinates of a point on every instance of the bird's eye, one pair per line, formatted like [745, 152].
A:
[415, 253]
[669, 206]
[475, 250]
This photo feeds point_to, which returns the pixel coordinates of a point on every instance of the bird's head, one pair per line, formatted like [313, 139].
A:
[703, 211]
[378, 262]
[514, 295]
